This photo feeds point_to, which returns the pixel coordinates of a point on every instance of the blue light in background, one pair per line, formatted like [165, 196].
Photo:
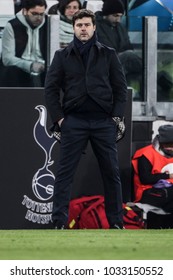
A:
[152, 8]
[168, 4]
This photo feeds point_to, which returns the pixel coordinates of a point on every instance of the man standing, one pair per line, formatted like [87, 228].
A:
[24, 46]
[95, 93]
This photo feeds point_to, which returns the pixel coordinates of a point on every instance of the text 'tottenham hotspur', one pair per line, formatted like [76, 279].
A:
[38, 212]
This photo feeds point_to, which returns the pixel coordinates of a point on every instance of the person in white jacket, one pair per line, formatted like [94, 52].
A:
[24, 46]
[66, 9]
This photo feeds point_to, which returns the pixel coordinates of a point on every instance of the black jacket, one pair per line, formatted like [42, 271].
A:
[113, 36]
[103, 80]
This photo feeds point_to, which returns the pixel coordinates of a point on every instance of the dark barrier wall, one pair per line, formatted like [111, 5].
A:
[27, 154]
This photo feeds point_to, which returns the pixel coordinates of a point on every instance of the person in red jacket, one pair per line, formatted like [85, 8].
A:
[153, 171]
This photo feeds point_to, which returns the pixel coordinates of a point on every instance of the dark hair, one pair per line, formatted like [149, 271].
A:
[84, 13]
[28, 4]
[63, 4]
[111, 7]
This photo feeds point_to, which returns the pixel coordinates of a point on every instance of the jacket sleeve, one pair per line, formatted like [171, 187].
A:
[53, 87]
[145, 172]
[119, 86]
[9, 57]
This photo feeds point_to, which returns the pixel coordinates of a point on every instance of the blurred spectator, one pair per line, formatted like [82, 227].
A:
[112, 32]
[66, 9]
[24, 47]
[153, 171]
[17, 5]
[53, 10]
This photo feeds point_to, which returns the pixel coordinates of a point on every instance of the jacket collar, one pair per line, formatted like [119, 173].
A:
[71, 47]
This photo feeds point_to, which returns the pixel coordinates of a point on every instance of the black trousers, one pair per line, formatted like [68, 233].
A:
[76, 132]
[162, 198]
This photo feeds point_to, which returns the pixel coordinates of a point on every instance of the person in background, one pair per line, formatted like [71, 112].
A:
[17, 5]
[54, 9]
[24, 46]
[112, 32]
[95, 93]
[153, 171]
[66, 8]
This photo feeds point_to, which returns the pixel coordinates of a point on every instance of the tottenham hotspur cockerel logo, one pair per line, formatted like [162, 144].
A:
[43, 181]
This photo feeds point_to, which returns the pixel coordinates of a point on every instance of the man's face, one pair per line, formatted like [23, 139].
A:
[84, 29]
[167, 148]
[34, 16]
[114, 18]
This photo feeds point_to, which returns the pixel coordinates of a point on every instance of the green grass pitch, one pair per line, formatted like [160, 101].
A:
[86, 244]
